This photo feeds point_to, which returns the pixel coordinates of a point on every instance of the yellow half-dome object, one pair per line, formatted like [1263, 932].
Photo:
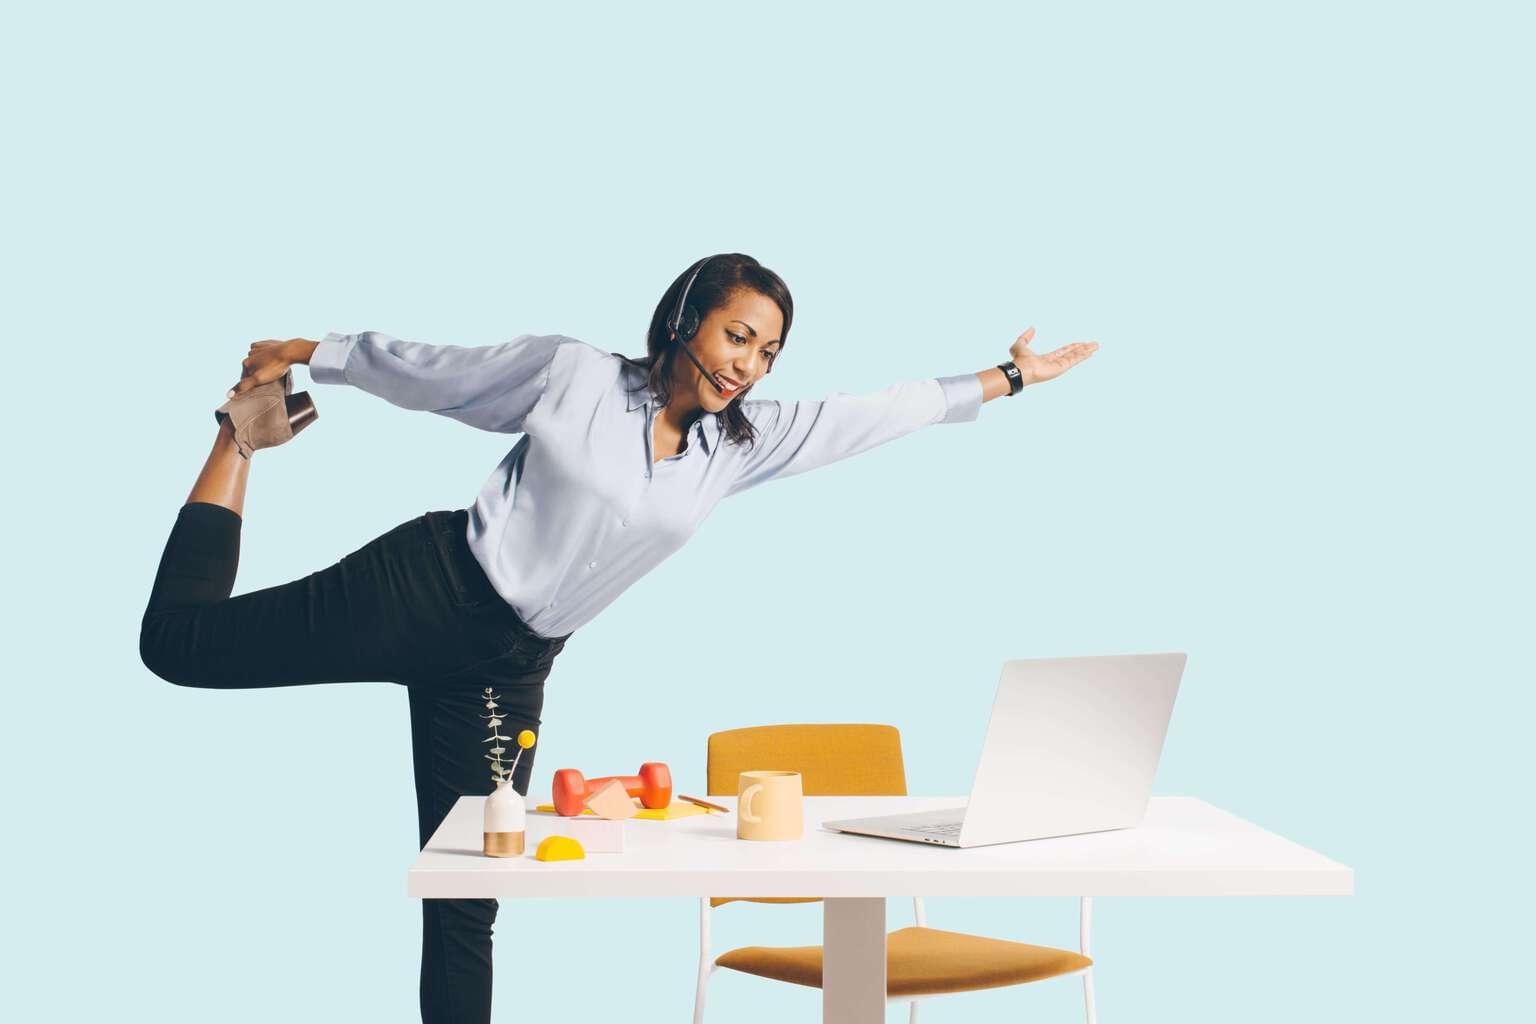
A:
[559, 848]
[525, 738]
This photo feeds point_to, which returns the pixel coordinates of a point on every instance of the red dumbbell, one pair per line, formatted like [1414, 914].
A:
[653, 786]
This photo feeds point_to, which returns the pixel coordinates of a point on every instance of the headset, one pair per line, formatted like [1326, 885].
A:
[684, 324]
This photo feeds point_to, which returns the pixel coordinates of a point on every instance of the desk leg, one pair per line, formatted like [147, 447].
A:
[853, 950]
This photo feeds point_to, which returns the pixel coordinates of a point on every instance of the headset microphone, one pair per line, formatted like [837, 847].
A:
[706, 374]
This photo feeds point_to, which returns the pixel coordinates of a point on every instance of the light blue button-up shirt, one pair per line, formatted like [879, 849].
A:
[577, 511]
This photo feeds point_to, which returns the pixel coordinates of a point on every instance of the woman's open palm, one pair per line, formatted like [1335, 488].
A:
[1036, 367]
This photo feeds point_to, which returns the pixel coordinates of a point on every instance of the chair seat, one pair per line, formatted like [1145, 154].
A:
[920, 961]
[720, 901]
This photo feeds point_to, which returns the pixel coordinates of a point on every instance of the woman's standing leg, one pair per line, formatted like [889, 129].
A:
[448, 734]
[448, 756]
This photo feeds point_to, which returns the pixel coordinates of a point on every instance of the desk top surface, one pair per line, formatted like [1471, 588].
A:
[1184, 847]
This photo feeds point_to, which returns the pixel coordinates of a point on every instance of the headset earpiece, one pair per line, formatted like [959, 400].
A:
[685, 322]
[688, 325]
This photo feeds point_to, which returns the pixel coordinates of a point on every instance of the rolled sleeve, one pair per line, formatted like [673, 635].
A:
[962, 398]
[328, 362]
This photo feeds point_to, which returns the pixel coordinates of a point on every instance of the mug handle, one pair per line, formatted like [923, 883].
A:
[745, 806]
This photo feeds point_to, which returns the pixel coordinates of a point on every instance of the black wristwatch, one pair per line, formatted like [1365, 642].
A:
[1015, 378]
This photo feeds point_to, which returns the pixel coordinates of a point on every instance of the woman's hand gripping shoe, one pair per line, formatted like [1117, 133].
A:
[267, 415]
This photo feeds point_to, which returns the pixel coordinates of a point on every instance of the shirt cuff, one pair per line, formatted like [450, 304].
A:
[328, 362]
[962, 397]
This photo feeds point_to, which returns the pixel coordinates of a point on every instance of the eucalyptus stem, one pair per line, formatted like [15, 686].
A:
[499, 771]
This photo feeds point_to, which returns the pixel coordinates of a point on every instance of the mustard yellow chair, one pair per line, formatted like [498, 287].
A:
[865, 760]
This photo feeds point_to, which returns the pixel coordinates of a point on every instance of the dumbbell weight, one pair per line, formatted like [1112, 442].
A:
[653, 786]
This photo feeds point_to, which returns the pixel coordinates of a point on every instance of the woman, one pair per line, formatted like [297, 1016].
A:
[619, 462]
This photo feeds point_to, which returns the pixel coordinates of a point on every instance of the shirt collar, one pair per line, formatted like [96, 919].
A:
[635, 387]
[708, 427]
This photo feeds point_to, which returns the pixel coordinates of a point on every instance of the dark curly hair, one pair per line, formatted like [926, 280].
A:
[722, 277]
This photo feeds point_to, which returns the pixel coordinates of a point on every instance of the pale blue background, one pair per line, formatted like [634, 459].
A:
[1301, 455]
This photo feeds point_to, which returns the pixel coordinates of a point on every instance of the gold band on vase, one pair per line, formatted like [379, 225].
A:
[504, 844]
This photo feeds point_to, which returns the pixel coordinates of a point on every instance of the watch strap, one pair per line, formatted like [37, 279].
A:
[1015, 378]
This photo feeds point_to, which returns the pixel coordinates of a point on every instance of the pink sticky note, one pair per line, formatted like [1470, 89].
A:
[612, 801]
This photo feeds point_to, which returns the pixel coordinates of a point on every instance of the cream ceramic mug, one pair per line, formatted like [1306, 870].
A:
[768, 806]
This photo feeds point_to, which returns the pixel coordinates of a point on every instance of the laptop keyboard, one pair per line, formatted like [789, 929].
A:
[945, 828]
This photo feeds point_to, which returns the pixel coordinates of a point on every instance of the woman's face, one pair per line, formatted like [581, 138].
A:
[737, 343]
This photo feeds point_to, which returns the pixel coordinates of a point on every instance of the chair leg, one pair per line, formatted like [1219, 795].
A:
[698, 995]
[912, 1014]
[706, 965]
[1084, 943]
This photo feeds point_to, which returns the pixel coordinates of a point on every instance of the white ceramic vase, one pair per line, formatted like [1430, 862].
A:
[505, 822]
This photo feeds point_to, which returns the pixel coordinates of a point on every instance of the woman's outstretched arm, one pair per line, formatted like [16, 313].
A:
[492, 387]
[793, 437]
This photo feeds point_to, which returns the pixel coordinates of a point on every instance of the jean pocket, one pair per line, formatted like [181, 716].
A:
[520, 665]
[440, 528]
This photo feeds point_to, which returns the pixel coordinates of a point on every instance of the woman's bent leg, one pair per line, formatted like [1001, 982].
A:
[375, 615]
[224, 476]
[448, 733]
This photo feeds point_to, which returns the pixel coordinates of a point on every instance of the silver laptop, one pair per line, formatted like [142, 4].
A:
[1071, 747]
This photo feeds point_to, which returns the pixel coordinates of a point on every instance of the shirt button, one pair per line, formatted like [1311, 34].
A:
[591, 565]
[625, 522]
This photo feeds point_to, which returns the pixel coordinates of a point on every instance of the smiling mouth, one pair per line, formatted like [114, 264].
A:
[730, 386]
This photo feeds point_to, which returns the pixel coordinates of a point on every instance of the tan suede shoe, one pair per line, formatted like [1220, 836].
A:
[267, 415]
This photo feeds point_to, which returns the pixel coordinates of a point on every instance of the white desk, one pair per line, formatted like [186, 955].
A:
[1185, 847]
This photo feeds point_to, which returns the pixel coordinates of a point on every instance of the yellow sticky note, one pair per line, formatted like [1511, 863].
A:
[678, 809]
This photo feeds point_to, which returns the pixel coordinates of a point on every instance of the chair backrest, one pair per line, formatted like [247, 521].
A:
[833, 760]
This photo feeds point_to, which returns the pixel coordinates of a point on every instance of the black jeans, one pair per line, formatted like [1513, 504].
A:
[411, 607]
